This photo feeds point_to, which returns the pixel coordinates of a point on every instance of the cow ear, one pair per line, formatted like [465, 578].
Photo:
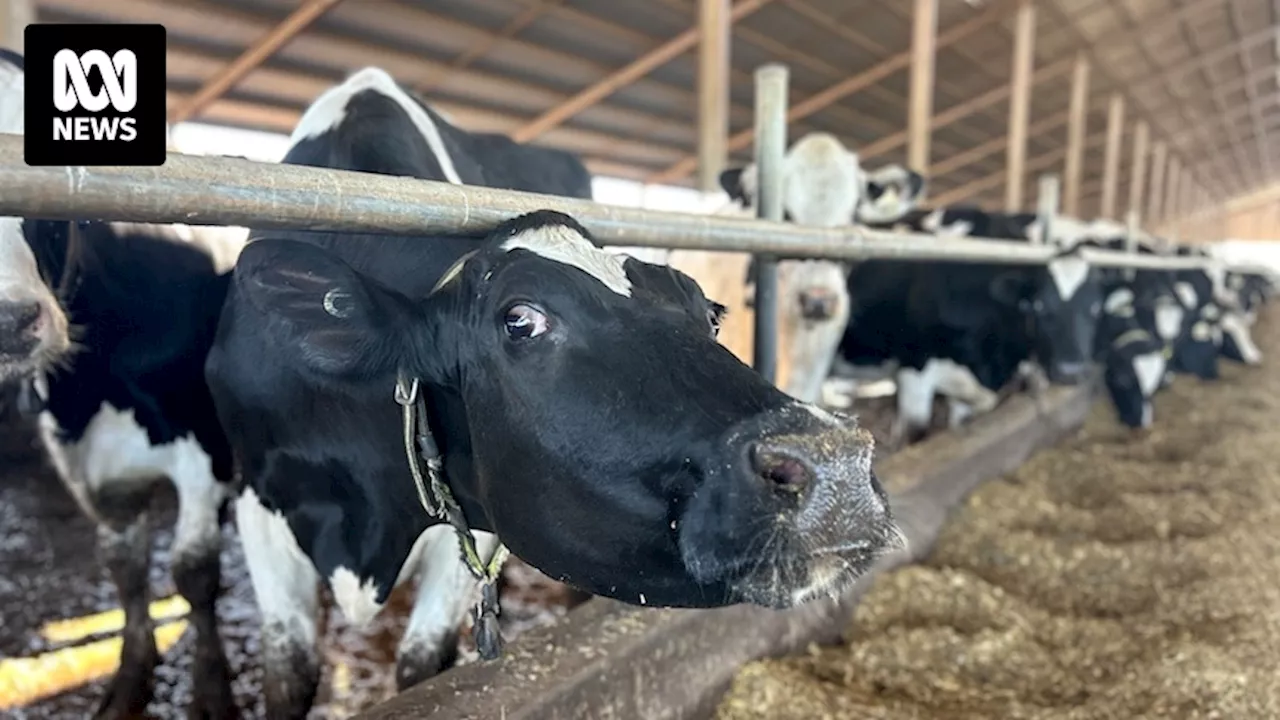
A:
[1008, 288]
[731, 181]
[334, 320]
[889, 194]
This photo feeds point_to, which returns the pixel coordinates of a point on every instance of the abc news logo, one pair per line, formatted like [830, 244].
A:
[95, 94]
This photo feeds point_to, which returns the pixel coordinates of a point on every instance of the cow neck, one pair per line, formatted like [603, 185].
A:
[437, 499]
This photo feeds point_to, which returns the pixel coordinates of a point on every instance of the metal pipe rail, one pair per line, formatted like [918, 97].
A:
[199, 190]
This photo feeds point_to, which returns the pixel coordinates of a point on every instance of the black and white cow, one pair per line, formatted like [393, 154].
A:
[823, 185]
[966, 330]
[33, 328]
[1135, 355]
[127, 407]
[584, 410]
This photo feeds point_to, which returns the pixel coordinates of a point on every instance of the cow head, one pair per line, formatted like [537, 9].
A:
[824, 185]
[1196, 351]
[1063, 302]
[1237, 340]
[594, 423]
[1135, 359]
[33, 328]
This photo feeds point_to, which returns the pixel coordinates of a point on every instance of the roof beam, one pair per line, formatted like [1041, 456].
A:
[1042, 162]
[1261, 135]
[844, 88]
[964, 109]
[521, 21]
[266, 46]
[992, 146]
[624, 76]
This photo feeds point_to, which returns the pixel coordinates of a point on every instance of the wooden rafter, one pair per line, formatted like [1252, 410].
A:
[530, 15]
[216, 86]
[844, 88]
[624, 76]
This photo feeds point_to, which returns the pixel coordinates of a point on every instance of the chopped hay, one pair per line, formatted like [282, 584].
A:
[1118, 575]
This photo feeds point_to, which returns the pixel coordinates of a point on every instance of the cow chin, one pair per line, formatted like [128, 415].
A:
[789, 579]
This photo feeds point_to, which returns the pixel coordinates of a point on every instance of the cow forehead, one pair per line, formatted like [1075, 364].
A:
[1149, 368]
[1118, 299]
[563, 244]
[1068, 274]
[19, 274]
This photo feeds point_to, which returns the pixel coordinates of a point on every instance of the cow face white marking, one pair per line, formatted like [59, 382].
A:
[1149, 369]
[357, 600]
[565, 245]
[1169, 317]
[20, 281]
[1119, 303]
[1201, 332]
[1068, 274]
[1186, 294]
[329, 110]
[822, 182]
[1235, 327]
[932, 223]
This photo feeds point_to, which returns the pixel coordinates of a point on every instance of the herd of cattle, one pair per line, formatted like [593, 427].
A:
[583, 408]
[965, 331]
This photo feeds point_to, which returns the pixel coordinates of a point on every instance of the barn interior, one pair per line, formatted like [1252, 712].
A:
[1099, 567]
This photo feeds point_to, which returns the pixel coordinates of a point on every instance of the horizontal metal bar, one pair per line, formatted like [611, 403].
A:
[230, 191]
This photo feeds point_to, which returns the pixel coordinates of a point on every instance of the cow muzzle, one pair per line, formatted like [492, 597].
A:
[818, 304]
[823, 509]
[32, 335]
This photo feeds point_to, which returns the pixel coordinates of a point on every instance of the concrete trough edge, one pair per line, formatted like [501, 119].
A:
[611, 660]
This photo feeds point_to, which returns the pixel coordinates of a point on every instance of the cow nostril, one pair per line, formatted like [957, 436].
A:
[781, 470]
[17, 317]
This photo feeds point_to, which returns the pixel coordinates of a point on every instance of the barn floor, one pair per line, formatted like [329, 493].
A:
[49, 571]
[1113, 576]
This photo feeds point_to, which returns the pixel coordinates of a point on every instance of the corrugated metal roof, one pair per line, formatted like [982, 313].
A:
[1202, 72]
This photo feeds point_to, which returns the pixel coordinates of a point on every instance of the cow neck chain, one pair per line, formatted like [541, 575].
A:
[437, 499]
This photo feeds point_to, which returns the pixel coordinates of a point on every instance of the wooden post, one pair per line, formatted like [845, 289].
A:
[1076, 126]
[1156, 194]
[1138, 172]
[1111, 158]
[1019, 104]
[266, 46]
[15, 16]
[924, 34]
[713, 91]
[1171, 210]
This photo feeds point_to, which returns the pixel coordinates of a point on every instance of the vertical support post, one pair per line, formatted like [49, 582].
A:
[1111, 158]
[1138, 172]
[1019, 104]
[1156, 194]
[1171, 197]
[1131, 241]
[1078, 119]
[924, 33]
[713, 91]
[1047, 205]
[770, 148]
[15, 16]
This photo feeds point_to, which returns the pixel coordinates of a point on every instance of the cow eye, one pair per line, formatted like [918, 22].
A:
[524, 322]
